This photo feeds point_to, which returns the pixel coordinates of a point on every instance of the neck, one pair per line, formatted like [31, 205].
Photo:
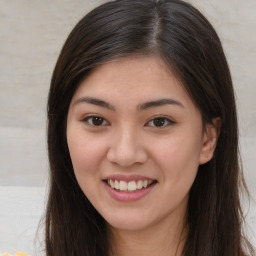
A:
[160, 239]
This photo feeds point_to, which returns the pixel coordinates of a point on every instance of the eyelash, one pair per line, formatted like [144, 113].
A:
[89, 120]
[164, 121]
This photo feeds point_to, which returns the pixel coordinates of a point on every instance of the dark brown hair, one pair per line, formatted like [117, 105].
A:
[185, 40]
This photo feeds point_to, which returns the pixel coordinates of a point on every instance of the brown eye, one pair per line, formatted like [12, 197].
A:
[95, 121]
[160, 122]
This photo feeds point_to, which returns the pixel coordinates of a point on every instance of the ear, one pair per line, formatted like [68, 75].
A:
[209, 140]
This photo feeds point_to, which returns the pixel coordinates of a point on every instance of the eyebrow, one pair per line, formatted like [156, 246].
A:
[94, 101]
[141, 107]
[158, 103]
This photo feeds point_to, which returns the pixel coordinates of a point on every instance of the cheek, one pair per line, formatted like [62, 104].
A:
[178, 149]
[86, 159]
[85, 153]
[178, 158]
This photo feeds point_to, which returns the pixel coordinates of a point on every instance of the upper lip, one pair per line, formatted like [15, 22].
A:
[127, 178]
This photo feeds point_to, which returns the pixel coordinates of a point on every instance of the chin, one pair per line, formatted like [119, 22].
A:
[128, 225]
[128, 222]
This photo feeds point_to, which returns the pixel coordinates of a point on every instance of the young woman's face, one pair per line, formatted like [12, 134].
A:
[136, 141]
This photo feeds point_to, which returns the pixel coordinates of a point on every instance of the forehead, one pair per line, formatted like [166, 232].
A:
[130, 79]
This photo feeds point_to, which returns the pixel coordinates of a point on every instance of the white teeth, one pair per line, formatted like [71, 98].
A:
[123, 185]
[139, 184]
[117, 184]
[111, 183]
[130, 186]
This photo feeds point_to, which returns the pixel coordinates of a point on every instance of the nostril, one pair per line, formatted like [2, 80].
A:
[122, 157]
[126, 155]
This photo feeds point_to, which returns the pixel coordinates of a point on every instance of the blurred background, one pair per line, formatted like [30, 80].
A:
[32, 33]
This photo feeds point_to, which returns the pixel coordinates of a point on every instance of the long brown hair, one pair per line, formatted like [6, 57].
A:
[186, 41]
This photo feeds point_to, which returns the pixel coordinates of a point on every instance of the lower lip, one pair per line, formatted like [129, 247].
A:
[128, 196]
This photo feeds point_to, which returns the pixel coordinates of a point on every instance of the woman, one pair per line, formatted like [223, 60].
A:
[142, 137]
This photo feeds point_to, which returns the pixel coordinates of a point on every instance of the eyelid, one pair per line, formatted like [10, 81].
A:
[169, 120]
[90, 116]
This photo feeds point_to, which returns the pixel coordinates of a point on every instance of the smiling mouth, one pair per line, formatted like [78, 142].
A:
[131, 186]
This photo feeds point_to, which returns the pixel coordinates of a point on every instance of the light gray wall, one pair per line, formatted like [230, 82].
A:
[31, 35]
[235, 22]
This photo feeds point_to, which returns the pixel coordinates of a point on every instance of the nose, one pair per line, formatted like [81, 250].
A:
[126, 148]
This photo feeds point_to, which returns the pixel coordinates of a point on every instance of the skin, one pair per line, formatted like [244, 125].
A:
[128, 140]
